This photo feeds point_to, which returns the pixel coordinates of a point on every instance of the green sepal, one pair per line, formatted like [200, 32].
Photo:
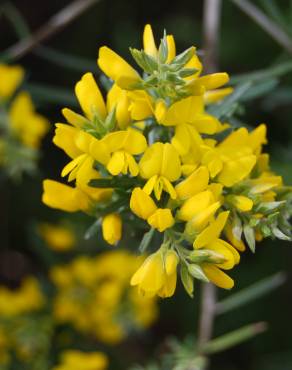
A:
[187, 279]
[197, 272]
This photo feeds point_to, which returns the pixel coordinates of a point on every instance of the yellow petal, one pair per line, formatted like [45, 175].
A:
[242, 203]
[193, 184]
[150, 277]
[63, 197]
[202, 218]
[118, 99]
[258, 137]
[171, 262]
[196, 204]
[236, 170]
[161, 219]
[116, 67]
[183, 111]
[74, 118]
[219, 247]
[64, 138]
[149, 42]
[10, 79]
[169, 286]
[90, 97]
[218, 277]
[141, 204]
[214, 96]
[171, 48]
[170, 163]
[87, 173]
[214, 80]
[116, 163]
[129, 140]
[112, 228]
[212, 232]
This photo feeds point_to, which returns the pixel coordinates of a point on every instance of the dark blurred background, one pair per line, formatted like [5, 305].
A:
[244, 47]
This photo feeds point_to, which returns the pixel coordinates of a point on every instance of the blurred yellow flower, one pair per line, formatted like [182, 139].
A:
[77, 360]
[58, 237]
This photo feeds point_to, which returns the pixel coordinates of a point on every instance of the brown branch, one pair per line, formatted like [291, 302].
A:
[207, 313]
[211, 26]
[266, 23]
[55, 24]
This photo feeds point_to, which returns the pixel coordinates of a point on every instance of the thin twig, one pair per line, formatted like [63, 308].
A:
[266, 23]
[207, 314]
[211, 25]
[212, 13]
[55, 24]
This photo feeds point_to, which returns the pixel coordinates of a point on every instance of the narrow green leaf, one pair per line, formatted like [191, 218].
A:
[92, 230]
[223, 109]
[233, 338]
[49, 94]
[279, 234]
[115, 182]
[263, 74]
[187, 280]
[249, 237]
[197, 272]
[182, 59]
[251, 293]
[260, 89]
[146, 240]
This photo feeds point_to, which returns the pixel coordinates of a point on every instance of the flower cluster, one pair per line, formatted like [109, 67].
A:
[150, 156]
[93, 295]
[22, 332]
[21, 128]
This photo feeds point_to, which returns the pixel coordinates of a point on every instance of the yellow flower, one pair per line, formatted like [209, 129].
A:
[209, 239]
[77, 360]
[123, 145]
[199, 210]
[117, 68]
[232, 160]
[112, 228]
[92, 293]
[63, 197]
[10, 79]
[196, 84]
[241, 202]
[91, 149]
[150, 46]
[28, 126]
[143, 206]
[27, 298]
[57, 237]
[118, 99]
[160, 164]
[214, 96]
[161, 219]
[157, 275]
[193, 184]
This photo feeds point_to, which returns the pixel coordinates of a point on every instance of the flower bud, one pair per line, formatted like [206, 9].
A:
[112, 228]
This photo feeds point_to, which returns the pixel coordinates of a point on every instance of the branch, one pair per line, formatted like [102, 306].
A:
[55, 24]
[207, 314]
[266, 23]
[211, 25]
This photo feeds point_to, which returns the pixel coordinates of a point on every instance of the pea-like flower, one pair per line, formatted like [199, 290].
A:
[161, 166]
